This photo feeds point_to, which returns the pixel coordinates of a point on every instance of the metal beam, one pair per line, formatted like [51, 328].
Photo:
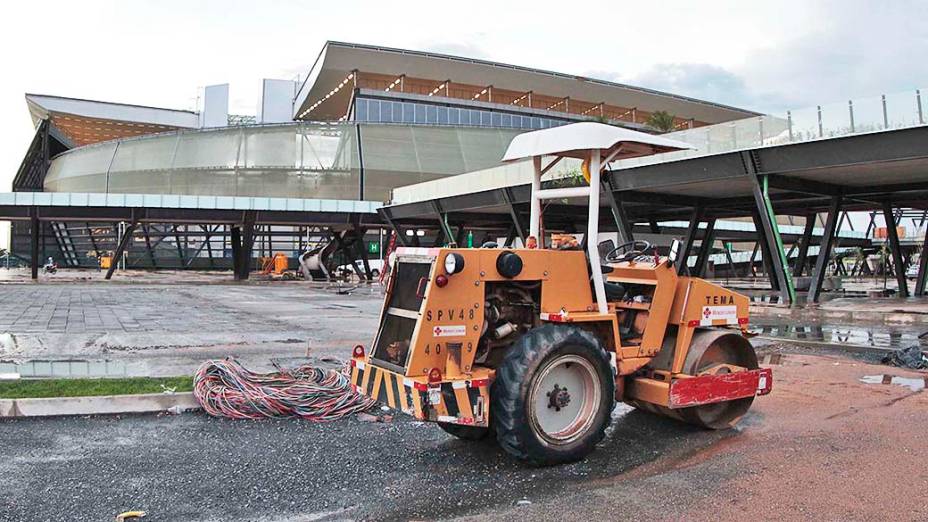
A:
[120, 248]
[690, 239]
[824, 250]
[800, 264]
[235, 237]
[898, 262]
[705, 249]
[34, 241]
[248, 243]
[771, 229]
[517, 221]
[922, 269]
[765, 255]
[622, 223]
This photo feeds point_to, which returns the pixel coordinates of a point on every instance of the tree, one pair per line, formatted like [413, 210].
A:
[661, 121]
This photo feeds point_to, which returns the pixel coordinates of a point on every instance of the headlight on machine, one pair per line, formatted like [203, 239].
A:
[454, 263]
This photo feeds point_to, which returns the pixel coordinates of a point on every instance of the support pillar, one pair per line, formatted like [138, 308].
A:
[922, 269]
[771, 231]
[690, 239]
[898, 262]
[248, 243]
[824, 249]
[800, 265]
[120, 248]
[622, 224]
[517, 220]
[705, 249]
[766, 258]
[34, 241]
[235, 237]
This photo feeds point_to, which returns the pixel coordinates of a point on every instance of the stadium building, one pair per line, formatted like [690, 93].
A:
[208, 189]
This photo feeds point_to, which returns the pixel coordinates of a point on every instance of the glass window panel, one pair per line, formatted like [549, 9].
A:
[386, 111]
[420, 113]
[270, 147]
[536, 122]
[443, 115]
[485, 119]
[454, 116]
[431, 115]
[474, 117]
[497, 119]
[397, 112]
[360, 109]
[409, 113]
[507, 120]
[374, 111]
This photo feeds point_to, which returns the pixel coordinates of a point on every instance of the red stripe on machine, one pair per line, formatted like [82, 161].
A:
[709, 389]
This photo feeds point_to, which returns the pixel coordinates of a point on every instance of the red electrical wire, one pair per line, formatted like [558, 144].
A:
[224, 388]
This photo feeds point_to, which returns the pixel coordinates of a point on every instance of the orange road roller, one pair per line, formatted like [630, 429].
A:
[534, 345]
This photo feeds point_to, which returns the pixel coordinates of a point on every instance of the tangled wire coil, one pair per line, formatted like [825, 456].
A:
[224, 388]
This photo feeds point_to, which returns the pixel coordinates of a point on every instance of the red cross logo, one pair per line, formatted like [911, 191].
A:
[437, 330]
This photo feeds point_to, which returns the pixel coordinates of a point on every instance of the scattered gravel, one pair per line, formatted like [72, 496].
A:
[193, 467]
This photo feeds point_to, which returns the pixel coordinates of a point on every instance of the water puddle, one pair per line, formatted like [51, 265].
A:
[913, 383]
[877, 336]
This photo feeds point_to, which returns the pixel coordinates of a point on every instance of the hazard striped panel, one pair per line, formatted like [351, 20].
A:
[458, 402]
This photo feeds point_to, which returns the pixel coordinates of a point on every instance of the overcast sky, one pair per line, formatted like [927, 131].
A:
[766, 56]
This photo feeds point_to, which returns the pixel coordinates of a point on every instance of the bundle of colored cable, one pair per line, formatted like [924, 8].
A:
[227, 389]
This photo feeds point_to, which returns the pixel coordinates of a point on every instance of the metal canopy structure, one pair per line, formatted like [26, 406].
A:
[874, 171]
[228, 224]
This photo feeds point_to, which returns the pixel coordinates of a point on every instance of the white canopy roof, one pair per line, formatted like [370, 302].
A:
[575, 139]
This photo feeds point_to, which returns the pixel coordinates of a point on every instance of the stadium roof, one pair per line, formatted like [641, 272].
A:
[338, 60]
[79, 122]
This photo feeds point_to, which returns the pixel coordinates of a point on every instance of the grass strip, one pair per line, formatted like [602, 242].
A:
[41, 388]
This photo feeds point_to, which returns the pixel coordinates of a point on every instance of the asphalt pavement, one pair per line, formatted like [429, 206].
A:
[193, 467]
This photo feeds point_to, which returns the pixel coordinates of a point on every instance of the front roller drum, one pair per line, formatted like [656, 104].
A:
[709, 351]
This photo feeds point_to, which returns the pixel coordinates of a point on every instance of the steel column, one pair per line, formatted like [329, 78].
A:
[766, 258]
[514, 214]
[622, 224]
[922, 269]
[898, 262]
[34, 241]
[690, 239]
[771, 233]
[248, 243]
[824, 249]
[120, 248]
[705, 248]
[800, 265]
[235, 237]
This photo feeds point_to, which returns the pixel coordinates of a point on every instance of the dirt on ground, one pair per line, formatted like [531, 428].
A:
[823, 446]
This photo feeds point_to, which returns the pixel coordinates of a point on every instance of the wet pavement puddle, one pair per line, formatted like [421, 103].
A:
[913, 383]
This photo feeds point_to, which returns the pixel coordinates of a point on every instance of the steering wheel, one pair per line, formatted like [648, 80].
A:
[628, 251]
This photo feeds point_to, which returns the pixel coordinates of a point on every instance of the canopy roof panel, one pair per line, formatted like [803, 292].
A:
[575, 139]
[325, 85]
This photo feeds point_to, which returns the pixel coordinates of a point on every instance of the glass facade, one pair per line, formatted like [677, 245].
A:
[299, 160]
[389, 111]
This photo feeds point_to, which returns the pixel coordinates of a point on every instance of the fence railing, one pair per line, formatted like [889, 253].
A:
[858, 116]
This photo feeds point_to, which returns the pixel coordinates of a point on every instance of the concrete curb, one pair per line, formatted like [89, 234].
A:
[102, 405]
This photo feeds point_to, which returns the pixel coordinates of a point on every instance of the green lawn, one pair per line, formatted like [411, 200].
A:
[29, 388]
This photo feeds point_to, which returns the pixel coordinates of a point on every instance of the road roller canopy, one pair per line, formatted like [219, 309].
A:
[576, 139]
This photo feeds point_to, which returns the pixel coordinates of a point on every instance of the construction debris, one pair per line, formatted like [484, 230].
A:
[912, 357]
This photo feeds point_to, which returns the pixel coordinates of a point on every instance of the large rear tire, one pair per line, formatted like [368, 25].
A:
[553, 395]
